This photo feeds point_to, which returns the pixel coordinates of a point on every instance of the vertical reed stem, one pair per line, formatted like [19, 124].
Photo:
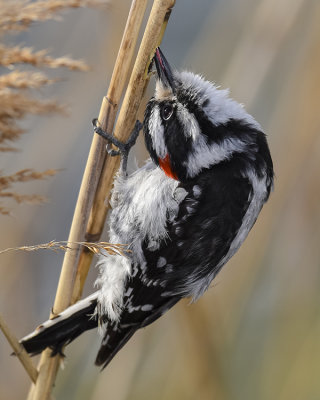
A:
[68, 284]
[92, 190]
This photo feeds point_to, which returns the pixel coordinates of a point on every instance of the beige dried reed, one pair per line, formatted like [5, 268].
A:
[24, 80]
[17, 102]
[74, 269]
[16, 99]
[17, 15]
[26, 55]
[96, 248]
[26, 175]
[19, 350]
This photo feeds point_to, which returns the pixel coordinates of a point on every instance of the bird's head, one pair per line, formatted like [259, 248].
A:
[191, 125]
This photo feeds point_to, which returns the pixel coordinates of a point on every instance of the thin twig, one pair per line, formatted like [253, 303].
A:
[19, 351]
[95, 248]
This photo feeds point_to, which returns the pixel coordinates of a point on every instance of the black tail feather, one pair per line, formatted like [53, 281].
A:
[63, 329]
[117, 335]
[68, 325]
[113, 341]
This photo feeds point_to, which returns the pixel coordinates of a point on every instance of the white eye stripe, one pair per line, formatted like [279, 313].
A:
[156, 131]
[188, 121]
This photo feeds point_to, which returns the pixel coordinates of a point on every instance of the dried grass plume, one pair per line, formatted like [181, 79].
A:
[96, 248]
[17, 86]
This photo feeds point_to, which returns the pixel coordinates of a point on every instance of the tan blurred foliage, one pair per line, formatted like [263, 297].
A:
[15, 97]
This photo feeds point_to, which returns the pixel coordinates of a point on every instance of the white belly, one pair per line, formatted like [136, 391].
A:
[142, 204]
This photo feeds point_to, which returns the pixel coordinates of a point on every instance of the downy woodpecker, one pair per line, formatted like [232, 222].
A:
[184, 214]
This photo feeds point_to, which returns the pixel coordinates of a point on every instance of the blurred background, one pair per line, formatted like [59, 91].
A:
[255, 333]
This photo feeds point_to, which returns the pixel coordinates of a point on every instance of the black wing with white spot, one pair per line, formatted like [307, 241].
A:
[200, 238]
[197, 240]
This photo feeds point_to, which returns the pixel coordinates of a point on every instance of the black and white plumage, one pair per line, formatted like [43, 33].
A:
[184, 214]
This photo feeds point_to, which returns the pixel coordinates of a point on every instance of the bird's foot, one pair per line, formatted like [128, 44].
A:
[123, 148]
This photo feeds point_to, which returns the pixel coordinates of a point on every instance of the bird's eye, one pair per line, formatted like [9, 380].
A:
[167, 111]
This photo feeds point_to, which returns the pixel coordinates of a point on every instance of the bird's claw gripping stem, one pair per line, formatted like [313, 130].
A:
[124, 148]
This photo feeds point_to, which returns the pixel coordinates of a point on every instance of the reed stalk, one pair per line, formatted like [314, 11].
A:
[19, 351]
[154, 32]
[100, 169]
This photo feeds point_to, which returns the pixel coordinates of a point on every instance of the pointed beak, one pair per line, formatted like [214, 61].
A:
[164, 70]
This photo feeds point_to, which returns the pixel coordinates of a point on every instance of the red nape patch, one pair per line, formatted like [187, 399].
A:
[165, 165]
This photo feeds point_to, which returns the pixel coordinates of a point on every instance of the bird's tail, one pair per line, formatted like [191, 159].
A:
[113, 341]
[117, 334]
[64, 328]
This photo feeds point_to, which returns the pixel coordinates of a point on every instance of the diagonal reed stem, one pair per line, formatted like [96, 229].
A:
[154, 32]
[48, 366]
[19, 351]
[73, 273]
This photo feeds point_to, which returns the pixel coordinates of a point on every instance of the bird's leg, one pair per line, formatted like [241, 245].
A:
[123, 148]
